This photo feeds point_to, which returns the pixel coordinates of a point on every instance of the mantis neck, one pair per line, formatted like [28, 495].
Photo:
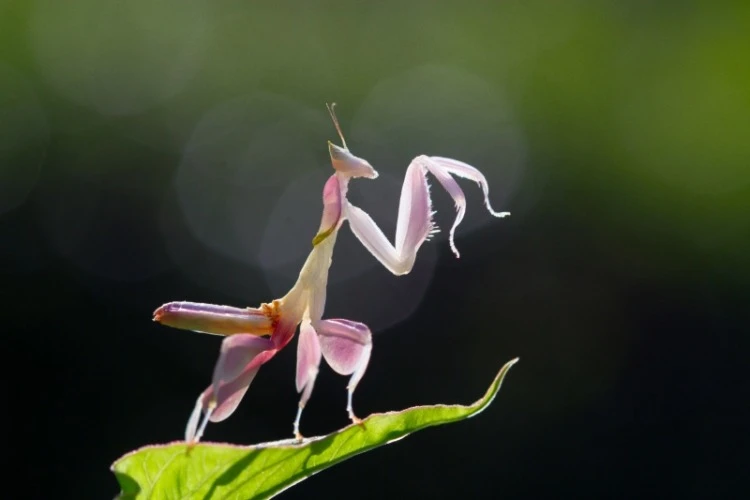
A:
[306, 299]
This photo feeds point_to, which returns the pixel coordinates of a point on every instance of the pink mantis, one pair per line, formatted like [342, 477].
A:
[255, 335]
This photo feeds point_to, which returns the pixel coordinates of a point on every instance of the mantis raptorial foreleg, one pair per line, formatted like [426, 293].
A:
[414, 225]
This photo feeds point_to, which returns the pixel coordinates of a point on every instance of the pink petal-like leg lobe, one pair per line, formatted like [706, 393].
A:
[346, 346]
[230, 394]
[239, 354]
[239, 360]
[308, 361]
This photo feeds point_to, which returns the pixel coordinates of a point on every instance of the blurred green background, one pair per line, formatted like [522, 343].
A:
[157, 150]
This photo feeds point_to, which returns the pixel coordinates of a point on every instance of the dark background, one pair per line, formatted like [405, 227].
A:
[159, 150]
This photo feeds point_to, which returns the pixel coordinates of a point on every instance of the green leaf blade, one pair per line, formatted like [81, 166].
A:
[215, 470]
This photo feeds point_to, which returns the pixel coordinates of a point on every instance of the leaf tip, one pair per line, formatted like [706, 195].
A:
[494, 388]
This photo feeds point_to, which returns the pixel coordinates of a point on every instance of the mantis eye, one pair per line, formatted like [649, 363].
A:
[348, 164]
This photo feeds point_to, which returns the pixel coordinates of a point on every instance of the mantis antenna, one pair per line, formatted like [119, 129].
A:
[336, 122]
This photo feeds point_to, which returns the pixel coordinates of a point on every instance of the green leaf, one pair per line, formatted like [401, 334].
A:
[212, 470]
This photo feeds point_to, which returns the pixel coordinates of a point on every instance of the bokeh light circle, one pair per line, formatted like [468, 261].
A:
[238, 160]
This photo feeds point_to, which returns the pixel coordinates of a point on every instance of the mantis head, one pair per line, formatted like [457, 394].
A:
[344, 162]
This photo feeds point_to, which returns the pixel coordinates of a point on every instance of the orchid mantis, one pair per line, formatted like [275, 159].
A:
[255, 335]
